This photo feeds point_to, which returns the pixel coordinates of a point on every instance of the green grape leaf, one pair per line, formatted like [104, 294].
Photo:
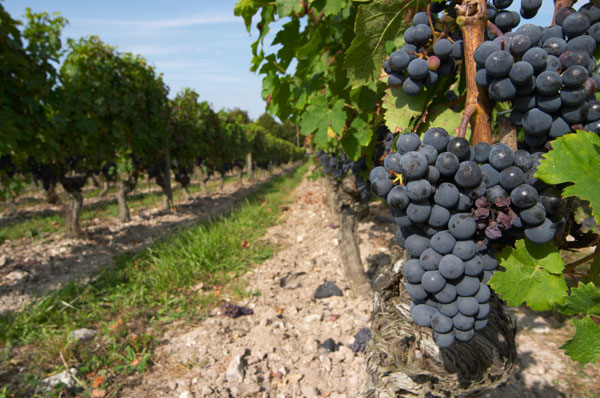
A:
[358, 135]
[338, 117]
[333, 7]
[533, 274]
[401, 109]
[442, 116]
[575, 158]
[288, 7]
[584, 299]
[376, 23]
[584, 347]
[316, 119]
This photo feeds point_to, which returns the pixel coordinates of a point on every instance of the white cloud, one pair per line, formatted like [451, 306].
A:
[164, 23]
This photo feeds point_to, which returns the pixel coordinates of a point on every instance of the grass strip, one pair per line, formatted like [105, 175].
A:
[131, 304]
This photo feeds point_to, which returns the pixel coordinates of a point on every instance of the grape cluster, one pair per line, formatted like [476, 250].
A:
[547, 73]
[452, 201]
[425, 56]
[339, 167]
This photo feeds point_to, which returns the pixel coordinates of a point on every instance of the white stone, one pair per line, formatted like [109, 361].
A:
[64, 377]
[17, 276]
[313, 318]
[82, 335]
[186, 394]
[236, 369]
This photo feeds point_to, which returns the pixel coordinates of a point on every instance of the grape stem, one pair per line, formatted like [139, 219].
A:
[495, 30]
[570, 268]
[472, 19]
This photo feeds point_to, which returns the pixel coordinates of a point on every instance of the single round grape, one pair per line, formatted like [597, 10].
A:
[447, 294]
[491, 176]
[524, 196]
[468, 306]
[553, 64]
[462, 226]
[378, 171]
[392, 162]
[460, 147]
[416, 244]
[551, 200]
[483, 78]
[552, 31]
[418, 212]
[397, 198]
[430, 259]
[474, 266]
[536, 57]
[441, 323]
[467, 286]
[399, 60]
[413, 165]
[555, 46]
[502, 4]
[429, 152]
[573, 96]
[443, 340]
[511, 177]
[527, 88]
[422, 314]
[447, 163]
[482, 151]
[520, 72]
[548, 83]
[380, 186]
[437, 137]
[543, 233]
[524, 103]
[417, 68]
[428, 230]
[420, 18]
[463, 335]
[559, 128]
[534, 33]
[548, 104]
[533, 216]
[465, 249]
[439, 216]
[395, 80]
[563, 13]
[442, 48]
[484, 311]
[407, 142]
[484, 293]
[464, 202]
[451, 267]
[458, 50]
[432, 175]
[443, 242]
[502, 89]
[499, 63]
[412, 271]
[468, 175]
[574, 114]
[536, 122]
[446, 195]
[418, 190]
[576, 24]
[416, 291]
[520, 44]
[463, 322]
[523, 160]
[422, 34]
[489, 262]
[433, 281]
[583, 43]
[593, 111]
[501, 156]
[411, 86]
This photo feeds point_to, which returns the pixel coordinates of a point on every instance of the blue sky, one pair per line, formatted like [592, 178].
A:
[193, 43]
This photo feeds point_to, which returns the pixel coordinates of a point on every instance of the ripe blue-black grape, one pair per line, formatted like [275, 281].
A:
[484, 311]
[468, 306]
[416, 291]
[524, 196]
[412, 271]
[543, 233]
[465, 249]
[451, 267]
[443, 243]
[446, 195]
[467, 286]
[501, 156]
[474, 266]
[499, 63]
[533, 216]
[418, 212]
[520, 72]
[430, 259]
[422, 314]
[511, 177]
[437, 137]
[468, 175]
[463, 322]
[443, 340]
[413, 165]
[433, 281]
[447, 163]
[548, 104]
[462, 226]
[429, 152]
[447, 294]
[418, 190]
[448, 309]
[397, 198]
[441, 323]
[416, 244]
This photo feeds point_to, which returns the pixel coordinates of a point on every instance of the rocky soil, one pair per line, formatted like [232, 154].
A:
[277, 351]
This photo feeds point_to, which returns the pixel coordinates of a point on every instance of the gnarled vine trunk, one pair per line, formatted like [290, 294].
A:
[404, 361]
[342, 202]
[222, 180]
[203, 180]
[165, 185]
[124, 188]
[105, 186]
[240, 173]
[249, 166]
[72, 209]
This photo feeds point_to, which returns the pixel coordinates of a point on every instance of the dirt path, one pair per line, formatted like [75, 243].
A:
[30, 269]
[275, 351]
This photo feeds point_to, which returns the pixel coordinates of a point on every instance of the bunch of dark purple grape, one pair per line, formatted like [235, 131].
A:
[419, 63]
[506, 20]
[339, 167]
[548, 73]
[450, 210]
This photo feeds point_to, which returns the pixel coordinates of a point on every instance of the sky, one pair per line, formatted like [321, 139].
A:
[193, 43]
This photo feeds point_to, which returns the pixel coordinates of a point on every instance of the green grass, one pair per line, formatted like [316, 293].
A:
[40, 227]
[132, 303]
